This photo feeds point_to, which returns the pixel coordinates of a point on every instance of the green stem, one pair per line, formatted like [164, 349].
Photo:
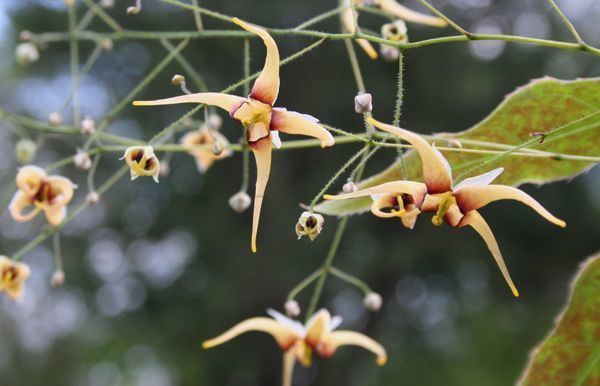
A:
[74, 48]
[446, 18]
[351, 279]
[303, 284]
[567, 22]
[197, 17]
[105, 17]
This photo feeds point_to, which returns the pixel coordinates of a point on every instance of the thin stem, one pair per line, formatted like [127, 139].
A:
[105, 17]
[567, 22]
[92, 173]
[197, 17]
[398, 109]
[74, 48]
[58, 262]
[186, 66]
[446, 18]
[89, 63]
[360, 83]
[303, 284]
[351, 279]
[321, 17]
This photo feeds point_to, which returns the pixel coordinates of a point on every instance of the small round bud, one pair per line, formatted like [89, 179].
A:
[58, 278]
[390, 54]
[25, 150]
[292, 308]
[133, 10]
[240, 201]
[106, 44]
[26, 53]
[107, 3]
[349, 187]
[82, 160]
[88, 126]
[178, 80]
[309, 224]
[218, 148]
[164, 169]
[395, 31]
[25, 35]
[372, 301]
[55, 118]
[214, 121]
[363, 103]
[93, 198]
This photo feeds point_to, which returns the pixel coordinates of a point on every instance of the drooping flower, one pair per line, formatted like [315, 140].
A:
[309, 224]
[142, 162]
[350, 17]
[12, 276]
[205, 157]
[454, 204]
[299, 341]
[257, 114]
[49, 194]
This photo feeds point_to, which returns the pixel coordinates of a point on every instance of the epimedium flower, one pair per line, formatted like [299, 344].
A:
[256, 112]
[457, 205]
[48, 194]
[350, 17]
[205, 157]
[142, 162]
[299, 341]
[12, 277]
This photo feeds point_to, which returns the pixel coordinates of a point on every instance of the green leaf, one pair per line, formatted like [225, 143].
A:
[542, 105]
[570, 355]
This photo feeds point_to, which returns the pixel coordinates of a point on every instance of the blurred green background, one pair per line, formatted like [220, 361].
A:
[154, 269]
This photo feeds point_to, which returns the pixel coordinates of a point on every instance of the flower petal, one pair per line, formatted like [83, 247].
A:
[289, 361]
[474, 219]
[436, 170]
[30, 178]
[55, 214]
[65, 188]
[284, 336]
[401, 12]
[19, 202]
[416, 189]
[262, 155]
[318, 326]
[266, 87]
[349, 23]
[224, 101]
[475, 197]
[351, 338]
[291, 122]
[480, 180]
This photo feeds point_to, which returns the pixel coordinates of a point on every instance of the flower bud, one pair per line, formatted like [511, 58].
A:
[88, 126]
[107, 3]
[25, 35]
[92, 198]
[372, 301]
[390, 54]
[214, 121]
[363, 103]
[218, 148]
[133, 10]
[55, 118]
[395, 31]
[292, 308]
[82, 160]
[178, 80]
[25, 150]
[106, 44]
[26, 53]
[309, 224]
[349, 187]
[58, 278]
[240, 201]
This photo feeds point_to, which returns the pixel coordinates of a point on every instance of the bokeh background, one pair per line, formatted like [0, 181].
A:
[154, 269]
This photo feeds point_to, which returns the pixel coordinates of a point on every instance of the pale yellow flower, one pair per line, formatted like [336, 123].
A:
[257, 114]
[454, 204]
[205, 157]
[142, 162]
[12, 276]
[48, 194]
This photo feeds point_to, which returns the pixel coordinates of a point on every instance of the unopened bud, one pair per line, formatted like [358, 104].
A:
[372, 301]
[88, 126]
[454, 143]
[309, 224]
[214, 121]
[292, 308]
[349, 187]
[93, 198]
[26, 53]
[55, 118]
[240, 201]
[178, 80]
[217, 148]
[390, 54]
[107, 3]
[58, 278]
[25, 35]
[133, 10]
[106, 44]
[82, 160]
[25, 150]
[164, 169]
[395, 31]
[363, 103]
